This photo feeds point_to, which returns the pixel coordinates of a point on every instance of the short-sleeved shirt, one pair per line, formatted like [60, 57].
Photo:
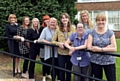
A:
[84, 55]
[102, 40]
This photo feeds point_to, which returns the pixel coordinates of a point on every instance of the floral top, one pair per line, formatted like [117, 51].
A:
[60, 36]
[102, 40]
[23, 47]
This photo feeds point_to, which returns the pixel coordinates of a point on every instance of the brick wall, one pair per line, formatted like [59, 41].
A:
[113, 5]
[117, 34]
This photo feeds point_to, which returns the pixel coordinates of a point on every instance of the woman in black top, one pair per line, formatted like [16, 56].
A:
[24, 46]
[33, 34]
[11, 32]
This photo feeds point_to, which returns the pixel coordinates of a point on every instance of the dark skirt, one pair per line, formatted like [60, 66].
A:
[13, 47]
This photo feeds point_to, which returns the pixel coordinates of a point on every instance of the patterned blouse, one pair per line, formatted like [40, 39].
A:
[102, 40]
[22, 45]
[62, 37]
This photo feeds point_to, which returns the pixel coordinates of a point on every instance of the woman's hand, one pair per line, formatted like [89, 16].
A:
[96, 49]
[35, 41]
[16, 36]
[61, 45]
[19, 37]
[71, 50]
[22, 39]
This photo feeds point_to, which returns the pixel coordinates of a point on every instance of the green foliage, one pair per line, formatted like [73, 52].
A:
[33, 8]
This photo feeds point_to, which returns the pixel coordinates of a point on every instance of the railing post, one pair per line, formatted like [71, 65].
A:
[13, 66]
[13, 57]
[53, 69]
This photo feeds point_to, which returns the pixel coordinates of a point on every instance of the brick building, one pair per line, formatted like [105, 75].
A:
[110, 8]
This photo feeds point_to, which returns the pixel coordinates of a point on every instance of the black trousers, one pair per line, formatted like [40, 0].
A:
[56, 70]
[110, 71]
[64, 62]
[33, 55]
[25, 64]
[46, 69]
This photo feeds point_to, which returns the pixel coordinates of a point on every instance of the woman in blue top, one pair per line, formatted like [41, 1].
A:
[102, 39]
[79, 59]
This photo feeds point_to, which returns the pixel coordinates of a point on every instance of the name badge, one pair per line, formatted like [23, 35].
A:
[79, 58]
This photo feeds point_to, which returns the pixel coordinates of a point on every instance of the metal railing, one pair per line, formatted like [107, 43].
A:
[53, 67]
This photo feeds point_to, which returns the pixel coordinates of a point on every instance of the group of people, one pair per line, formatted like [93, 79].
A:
[70, 41]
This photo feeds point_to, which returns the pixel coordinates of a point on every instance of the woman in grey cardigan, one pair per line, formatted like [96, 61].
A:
[46, 53]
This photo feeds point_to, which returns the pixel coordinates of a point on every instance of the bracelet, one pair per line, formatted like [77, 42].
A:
[101, 49]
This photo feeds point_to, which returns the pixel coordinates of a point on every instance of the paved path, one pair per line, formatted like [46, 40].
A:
[5, 75]
[6, 70]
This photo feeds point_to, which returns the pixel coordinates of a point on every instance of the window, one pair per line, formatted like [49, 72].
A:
[112, 17]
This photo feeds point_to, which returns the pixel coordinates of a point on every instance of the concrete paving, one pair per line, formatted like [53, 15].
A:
[4, 75]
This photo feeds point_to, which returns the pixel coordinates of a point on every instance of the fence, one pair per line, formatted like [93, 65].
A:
[53, 67]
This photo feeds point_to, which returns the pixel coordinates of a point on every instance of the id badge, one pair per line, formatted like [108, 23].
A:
[79, 58]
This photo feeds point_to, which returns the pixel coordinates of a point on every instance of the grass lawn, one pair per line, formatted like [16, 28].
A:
[118, 61]
[38, 67]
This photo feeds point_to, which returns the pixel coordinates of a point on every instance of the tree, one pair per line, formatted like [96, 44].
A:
[33, 8]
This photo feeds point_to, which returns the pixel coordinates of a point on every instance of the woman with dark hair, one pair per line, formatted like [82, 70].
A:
[24, 46]
[79, 59]
[62, 33]
[11, 32]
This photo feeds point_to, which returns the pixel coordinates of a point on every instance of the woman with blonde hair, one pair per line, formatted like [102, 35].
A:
[86, 20]
[46, 54]
[11, 32]
[33, 34]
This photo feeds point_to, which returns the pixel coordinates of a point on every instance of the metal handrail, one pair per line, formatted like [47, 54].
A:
[55, 67]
